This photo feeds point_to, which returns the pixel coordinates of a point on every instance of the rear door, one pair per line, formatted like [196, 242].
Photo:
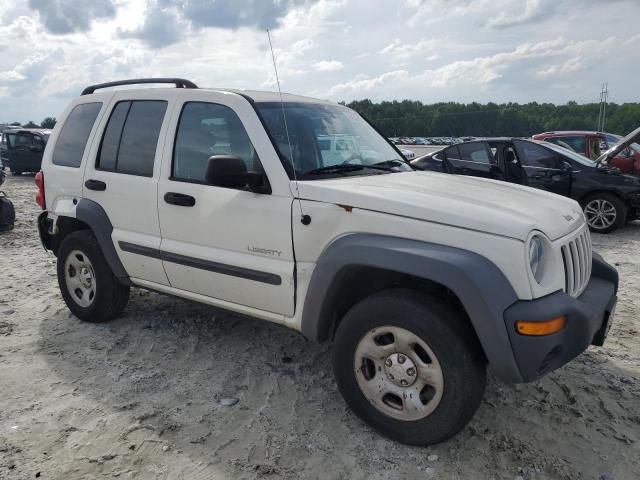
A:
[543, 168]
[474, 159]
[122, 177]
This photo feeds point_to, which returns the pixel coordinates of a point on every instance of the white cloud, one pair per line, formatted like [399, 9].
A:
[542, 59]
[430, 50]
[363, 83]
[534, 11]
[328, 66]
[406, 51]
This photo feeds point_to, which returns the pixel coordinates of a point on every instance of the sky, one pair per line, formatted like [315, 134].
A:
[341, 50]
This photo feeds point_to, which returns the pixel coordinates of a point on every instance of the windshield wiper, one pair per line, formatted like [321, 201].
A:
[348, 167]
[340, 168]
[388, 164]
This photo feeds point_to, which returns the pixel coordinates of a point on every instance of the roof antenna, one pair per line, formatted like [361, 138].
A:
[304, 219]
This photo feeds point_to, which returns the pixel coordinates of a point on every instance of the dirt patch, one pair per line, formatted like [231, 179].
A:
[174, 389]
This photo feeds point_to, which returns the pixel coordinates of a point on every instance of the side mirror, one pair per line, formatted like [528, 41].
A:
[566, 166]
[229, 171]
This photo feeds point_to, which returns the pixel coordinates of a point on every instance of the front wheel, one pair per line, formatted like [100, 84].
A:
[89, 288]
[605, 212]
[409, 366]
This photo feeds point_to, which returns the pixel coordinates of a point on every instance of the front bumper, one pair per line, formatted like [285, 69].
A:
[588, 319]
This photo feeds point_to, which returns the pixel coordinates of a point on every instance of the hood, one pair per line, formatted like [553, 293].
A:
[471, 203]
[621, 145]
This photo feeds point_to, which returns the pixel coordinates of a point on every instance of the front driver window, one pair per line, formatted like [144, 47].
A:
[205, 130]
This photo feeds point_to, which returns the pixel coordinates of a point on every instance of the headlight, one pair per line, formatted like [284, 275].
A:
[535, 258]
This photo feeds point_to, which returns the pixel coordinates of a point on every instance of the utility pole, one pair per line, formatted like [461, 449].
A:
[602, 114]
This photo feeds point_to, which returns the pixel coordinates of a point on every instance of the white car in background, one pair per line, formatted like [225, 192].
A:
[408, 154]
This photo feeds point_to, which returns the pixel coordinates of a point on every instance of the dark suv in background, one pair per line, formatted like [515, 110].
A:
[24, 149]
[608, 197]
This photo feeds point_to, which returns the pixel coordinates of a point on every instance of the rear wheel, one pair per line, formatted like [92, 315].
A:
[409, 366]
[88, 286]
[605, 212]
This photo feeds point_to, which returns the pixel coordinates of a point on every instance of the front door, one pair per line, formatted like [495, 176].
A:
[122, 177]
[543, 168]
[229, 244]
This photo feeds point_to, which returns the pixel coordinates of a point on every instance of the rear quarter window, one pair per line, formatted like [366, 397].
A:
[71, 143]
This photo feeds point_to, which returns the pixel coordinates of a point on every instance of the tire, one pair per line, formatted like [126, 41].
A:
[82, 269]
[16, 173]
[450, 345]
[613, 209]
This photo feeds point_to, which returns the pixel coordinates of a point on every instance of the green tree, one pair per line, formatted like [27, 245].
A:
[48, 122]
[31, 124]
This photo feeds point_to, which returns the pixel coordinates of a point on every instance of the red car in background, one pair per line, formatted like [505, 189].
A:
[593, 144]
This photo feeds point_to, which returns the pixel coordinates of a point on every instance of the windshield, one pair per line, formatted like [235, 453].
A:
[569, 153]
[328, 139]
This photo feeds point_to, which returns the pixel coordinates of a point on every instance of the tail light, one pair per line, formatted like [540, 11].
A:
[40, 193]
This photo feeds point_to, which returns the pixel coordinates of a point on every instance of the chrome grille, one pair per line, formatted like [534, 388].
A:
[576, 255]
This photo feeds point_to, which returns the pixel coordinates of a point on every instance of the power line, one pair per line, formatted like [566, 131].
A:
[602, 114]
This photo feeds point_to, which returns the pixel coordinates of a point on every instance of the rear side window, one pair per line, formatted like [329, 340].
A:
[452, 153]
[475, 152]
[75, 132]
[130, 140]
[532, 155]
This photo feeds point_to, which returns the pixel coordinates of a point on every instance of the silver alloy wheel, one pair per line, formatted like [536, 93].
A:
[398, 373]
[600, 214]
[80, 278]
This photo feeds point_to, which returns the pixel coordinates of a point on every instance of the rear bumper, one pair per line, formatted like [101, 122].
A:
[588, 320]
[45, 230]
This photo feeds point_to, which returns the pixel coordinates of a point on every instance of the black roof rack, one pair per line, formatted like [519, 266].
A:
[178, 82]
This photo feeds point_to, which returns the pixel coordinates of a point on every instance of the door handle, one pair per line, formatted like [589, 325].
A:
[179, 199]
[95, 185]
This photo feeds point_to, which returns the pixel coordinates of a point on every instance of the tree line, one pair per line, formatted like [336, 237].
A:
[48, 122]
[414, 119]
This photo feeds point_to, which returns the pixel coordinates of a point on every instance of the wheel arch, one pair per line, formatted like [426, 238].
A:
[359, 264]
[591, 193]
[89, 215]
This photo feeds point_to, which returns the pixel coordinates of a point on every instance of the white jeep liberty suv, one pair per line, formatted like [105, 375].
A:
[238, 199]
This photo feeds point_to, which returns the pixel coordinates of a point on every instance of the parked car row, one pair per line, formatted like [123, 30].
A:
[609, 198]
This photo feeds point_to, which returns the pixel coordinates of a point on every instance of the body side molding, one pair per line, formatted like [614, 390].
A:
[222, 268]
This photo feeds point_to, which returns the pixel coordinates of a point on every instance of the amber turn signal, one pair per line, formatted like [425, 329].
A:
[541, 328]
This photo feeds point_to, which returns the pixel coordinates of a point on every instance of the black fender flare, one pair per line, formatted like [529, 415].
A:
[93, 214]
[478, 283]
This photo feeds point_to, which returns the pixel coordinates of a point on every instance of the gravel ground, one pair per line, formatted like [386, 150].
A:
[146, 396]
